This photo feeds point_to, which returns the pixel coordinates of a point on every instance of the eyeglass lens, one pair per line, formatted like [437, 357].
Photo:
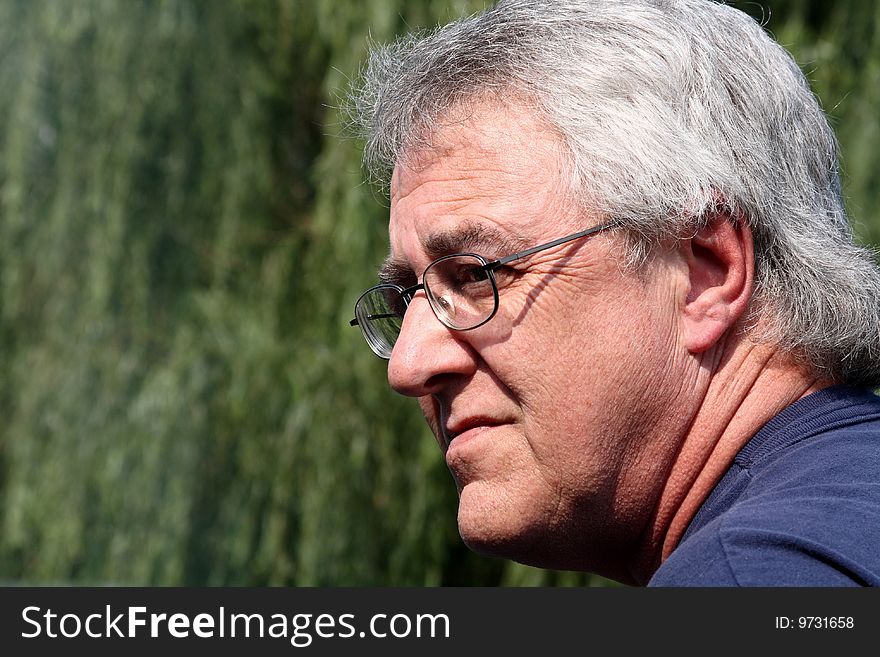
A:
[460, 290]
[380, 315]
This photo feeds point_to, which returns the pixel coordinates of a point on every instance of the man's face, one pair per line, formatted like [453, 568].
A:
[551, 416]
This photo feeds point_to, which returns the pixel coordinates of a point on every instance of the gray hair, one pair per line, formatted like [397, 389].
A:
[671, 111]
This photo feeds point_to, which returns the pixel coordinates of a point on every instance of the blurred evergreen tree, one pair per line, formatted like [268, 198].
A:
[182, 236]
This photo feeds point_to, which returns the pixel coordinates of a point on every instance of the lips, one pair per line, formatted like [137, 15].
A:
[456, 428]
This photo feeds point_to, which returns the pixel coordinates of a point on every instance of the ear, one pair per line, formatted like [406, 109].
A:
[721, 267]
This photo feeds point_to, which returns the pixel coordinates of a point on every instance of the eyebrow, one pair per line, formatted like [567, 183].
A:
[396, 271]
[472, 237]
[468, 237]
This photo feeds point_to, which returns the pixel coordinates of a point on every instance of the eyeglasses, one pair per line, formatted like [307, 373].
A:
[461, 290]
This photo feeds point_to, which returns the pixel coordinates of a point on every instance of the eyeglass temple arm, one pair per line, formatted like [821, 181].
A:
[549, 245]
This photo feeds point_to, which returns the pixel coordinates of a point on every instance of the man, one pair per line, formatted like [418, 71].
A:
[623, 288]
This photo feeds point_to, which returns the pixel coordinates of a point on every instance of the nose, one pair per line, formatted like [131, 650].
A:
[427, 355]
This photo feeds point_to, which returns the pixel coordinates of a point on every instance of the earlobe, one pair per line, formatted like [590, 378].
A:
[721, 266]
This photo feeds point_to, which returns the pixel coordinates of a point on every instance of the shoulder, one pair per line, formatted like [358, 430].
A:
[818, 536]
[808, 516]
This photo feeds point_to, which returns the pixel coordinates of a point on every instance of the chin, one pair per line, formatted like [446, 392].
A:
[523, 531]
[497, 526]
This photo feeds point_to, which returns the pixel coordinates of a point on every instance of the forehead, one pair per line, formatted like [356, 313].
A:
[490, 180]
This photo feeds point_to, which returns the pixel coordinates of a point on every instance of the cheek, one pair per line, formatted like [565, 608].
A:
[576, 362]
[552, 343]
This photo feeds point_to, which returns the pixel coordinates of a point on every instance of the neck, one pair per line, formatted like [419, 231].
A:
[742, 387]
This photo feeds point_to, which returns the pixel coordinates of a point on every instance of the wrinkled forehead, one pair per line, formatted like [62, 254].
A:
[493, 160]
[492, 170]
[476, 133]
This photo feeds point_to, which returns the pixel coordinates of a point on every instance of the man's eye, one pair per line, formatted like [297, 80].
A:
[471, 274]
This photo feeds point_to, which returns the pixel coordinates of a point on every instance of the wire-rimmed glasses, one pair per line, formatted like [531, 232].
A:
[461, 290]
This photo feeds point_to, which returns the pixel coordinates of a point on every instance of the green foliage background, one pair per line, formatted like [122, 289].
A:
[183, 233]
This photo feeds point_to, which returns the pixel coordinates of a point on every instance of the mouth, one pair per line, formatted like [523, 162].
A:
[462, 430]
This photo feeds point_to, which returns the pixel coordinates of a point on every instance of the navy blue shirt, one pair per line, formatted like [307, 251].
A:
[800, 506]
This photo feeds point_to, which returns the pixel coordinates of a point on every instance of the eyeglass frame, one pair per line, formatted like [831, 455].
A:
[407, 294]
